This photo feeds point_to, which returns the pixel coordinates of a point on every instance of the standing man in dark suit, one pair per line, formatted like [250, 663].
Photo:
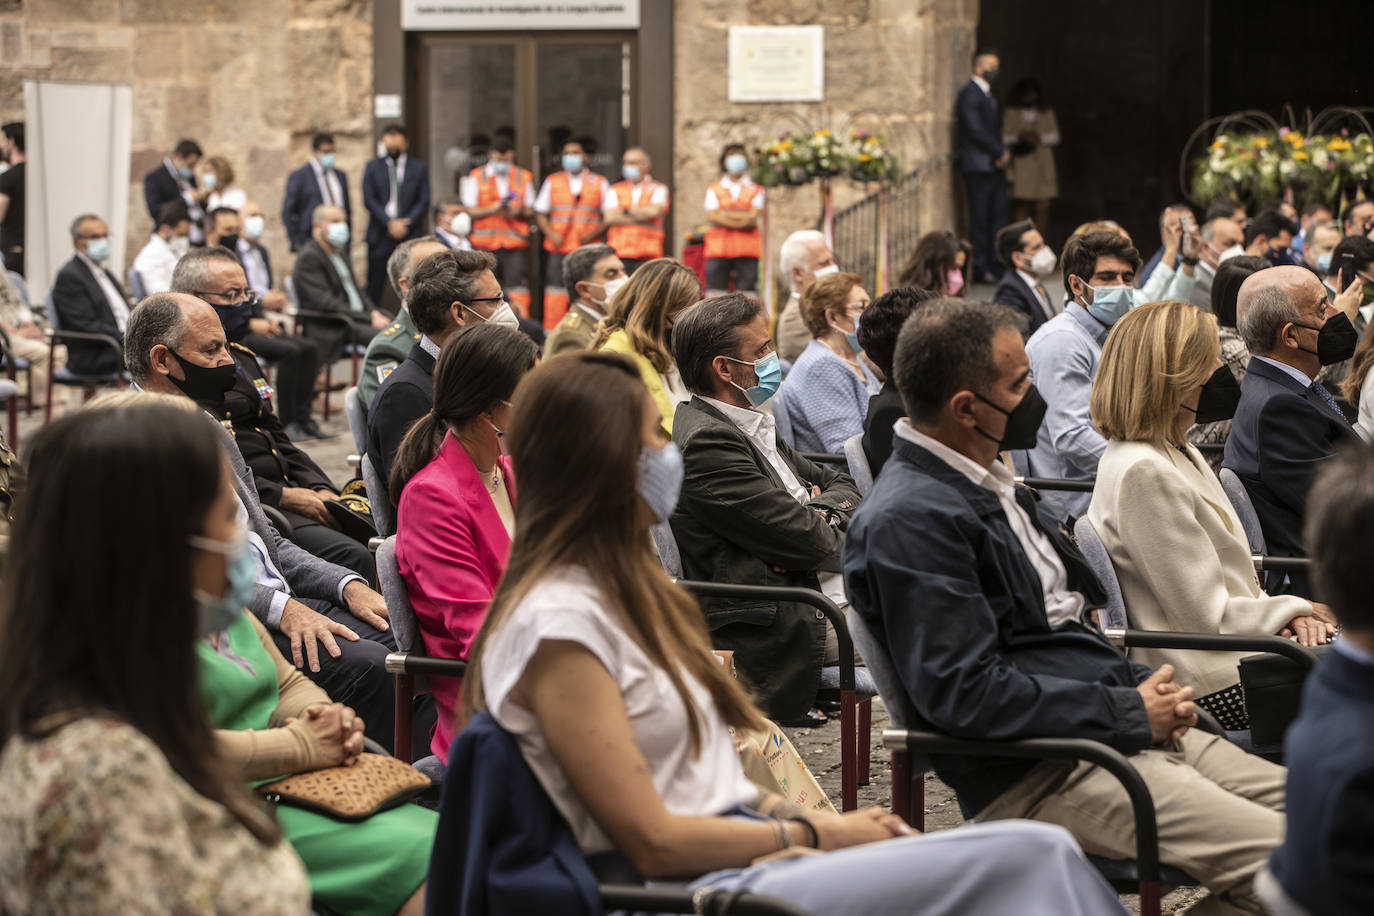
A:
[1287, 425]
[323, 276]
[89, 298]
[175, 179]
[982, 159]
[396, 194]
[1022, 250]
[446, 291]
[317, 182]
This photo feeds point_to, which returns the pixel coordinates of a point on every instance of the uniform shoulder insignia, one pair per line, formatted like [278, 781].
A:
[575, 319]
[242, 349]
[391, 331]
[416, 336]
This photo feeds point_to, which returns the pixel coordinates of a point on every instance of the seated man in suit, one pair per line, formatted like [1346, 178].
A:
[89, 298]
[753, 511]
[388, 349]
[286, 477]
[324, 282]
[879, 326]
[176, 346]
[1023, 252]
[591, 274]
[1326, 862]
[447, 291]
[1287, 425]
[979, 599]
[317, 182]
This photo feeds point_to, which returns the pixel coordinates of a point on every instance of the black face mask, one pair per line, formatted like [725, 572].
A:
[206, 385]
[393, 152]
[991, 75]
[231, 242]
[1336, 340]
[1219, 398]
[1023, 421]
[234, 319]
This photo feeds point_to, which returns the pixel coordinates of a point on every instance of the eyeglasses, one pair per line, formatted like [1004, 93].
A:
[500, 298]
[235, 296]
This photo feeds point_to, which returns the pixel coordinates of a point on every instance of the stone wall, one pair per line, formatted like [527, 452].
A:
[250, 80]
[892, 66]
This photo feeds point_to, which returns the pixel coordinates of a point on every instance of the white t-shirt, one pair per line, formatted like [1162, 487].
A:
[543, 203]
[567, 606]
[733, 188]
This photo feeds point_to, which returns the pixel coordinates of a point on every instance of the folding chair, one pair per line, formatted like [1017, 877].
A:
[778, 406]
[357, 425]
[408, 663]
[67, 377]
[383, 513]
[136, 287]
[858, 463]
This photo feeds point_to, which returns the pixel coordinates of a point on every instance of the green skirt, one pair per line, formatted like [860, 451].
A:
[369, 868]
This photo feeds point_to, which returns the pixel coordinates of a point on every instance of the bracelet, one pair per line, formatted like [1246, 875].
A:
[782, 834]
[1191, 262]
[810, 828]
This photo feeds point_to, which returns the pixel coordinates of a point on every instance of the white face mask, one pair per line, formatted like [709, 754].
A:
[460, 225]
[502, 317]
[179, 244]
[253, 227]
[610, 288]
[826, 271]
[1233, 251]
[1042, 263]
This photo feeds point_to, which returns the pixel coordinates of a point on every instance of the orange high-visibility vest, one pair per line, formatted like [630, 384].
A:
[572, 217]
[636, 241]
[497, 232]
[722, 242]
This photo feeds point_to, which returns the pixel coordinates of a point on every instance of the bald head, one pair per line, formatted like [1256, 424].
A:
[161, 323]
[1277, 310]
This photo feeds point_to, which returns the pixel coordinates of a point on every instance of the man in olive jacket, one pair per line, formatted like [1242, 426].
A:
[752, 511]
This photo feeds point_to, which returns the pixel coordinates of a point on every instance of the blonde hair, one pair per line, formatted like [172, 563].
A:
[658, 291]
[1153, 357]
[823, 295]
[130, 397]
[223, 171]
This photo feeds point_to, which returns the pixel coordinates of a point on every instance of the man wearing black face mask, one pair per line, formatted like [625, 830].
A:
[1287, 424]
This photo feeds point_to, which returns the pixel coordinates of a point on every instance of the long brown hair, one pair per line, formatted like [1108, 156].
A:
[121, 490]
[1360, 364]
[657, 292]
[579, 411]
[934, 256]
[478, 367]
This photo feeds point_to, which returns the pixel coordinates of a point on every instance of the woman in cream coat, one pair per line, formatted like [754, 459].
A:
[1176, 543]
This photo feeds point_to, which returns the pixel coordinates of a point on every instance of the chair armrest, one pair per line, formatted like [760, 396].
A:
[1281, 564]
[90, 335]
[274, 515]
[1212, 642]
[1095, 752]
[374, 544]
[410, 663]
[1050, 483]
[634, 898]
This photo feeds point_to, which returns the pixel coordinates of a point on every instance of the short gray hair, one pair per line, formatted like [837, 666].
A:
[318, 213]
[192, 273]
[793, 252]
[398, 265]
[1263, 316]
[76, 224]
[155, 320]
[578, 265]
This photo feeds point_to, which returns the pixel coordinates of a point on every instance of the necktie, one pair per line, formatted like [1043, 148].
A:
[395, 187]
[328, 191]
[1325, 395]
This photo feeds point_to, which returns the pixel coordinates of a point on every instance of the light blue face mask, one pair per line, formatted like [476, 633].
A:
[337, 234]
[851, 337]
[185, 173]
[630, 172]
[736, 163]
[1324, 262]
[769, 372]
[98, 250]
[1111, 302]
[500, 166]
[241, 568]
[572, 162]
[327, 160]
[660, 479]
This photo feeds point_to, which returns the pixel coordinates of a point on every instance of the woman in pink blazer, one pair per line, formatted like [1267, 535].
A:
[457, 508]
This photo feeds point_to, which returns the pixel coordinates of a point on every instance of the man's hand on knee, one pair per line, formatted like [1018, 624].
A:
[1169, 706]
[365, 604]
[306, 629]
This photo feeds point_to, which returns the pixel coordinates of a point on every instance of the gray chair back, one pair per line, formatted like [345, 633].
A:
[20, 286]
[666, 545]
[886, 680]
[778, 405]
[383, 514]
[858, 463]
[50, 306]
[1095, 552]
[136, 288]
[357, 419]
[1240, 501]
[404, 626]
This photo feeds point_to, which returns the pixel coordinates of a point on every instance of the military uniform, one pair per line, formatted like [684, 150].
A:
[386, 351]
[575, 331]
[277, 463]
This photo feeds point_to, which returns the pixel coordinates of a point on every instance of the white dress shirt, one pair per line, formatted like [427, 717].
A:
[393, 205]
[1297, 375]
[983, 85]
[154, 264]
[118, 306]
[1061, 604]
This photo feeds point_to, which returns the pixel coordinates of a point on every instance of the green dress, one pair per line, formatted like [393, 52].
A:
[371, 867]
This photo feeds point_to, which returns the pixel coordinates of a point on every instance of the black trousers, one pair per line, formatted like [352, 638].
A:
[334, 546]
[987, 213]
[745, 271]
[377, 253]
[297, 360]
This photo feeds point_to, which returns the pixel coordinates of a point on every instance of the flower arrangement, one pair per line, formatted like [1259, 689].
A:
[1258, 166]
[798, 160]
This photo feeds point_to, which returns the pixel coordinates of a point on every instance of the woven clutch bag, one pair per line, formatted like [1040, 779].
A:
[354, 793]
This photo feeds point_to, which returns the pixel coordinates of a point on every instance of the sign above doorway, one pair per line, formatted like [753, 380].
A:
[517, 15]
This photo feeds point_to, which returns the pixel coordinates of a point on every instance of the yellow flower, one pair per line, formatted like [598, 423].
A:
[822, 133]
[1218, 143]
[785, 145]
[1294, 138]
[1261, 142]
[1338, 144]
[864, 157]
[1300, 156]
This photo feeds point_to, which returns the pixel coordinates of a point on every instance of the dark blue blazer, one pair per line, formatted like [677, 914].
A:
[1326, 861]
[81, 306]
[980, 129]
[160, 187]
[404, 397]
[1013, 292]
[501, 846]
[413, 200]
[1280, 436]
[302, 197]
[935, 570]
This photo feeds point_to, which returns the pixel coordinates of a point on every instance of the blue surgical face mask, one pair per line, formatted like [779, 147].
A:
[1111, 302]
[736, 163]
[769, 372]
[660, 479]
[98, 250]
[241, 568]
[631, 172]
[209, 180]
[851, 337]
[1324, 262]
[327, 160]
[337, 234]
[500, 166]
[185, 173]
[572, 162]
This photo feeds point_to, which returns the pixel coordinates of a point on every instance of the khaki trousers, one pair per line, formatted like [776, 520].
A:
[36, 352]
[1219, 809]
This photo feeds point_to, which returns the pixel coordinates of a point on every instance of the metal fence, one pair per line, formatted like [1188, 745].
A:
[857, 228]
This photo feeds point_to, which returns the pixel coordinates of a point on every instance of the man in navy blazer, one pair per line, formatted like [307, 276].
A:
[317, 182]
[1326, 862]
[982, 159]
[979, 599]
[396, 194]
[174, 178]
[1019, 248]
[88, 298]
[1287, 425]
